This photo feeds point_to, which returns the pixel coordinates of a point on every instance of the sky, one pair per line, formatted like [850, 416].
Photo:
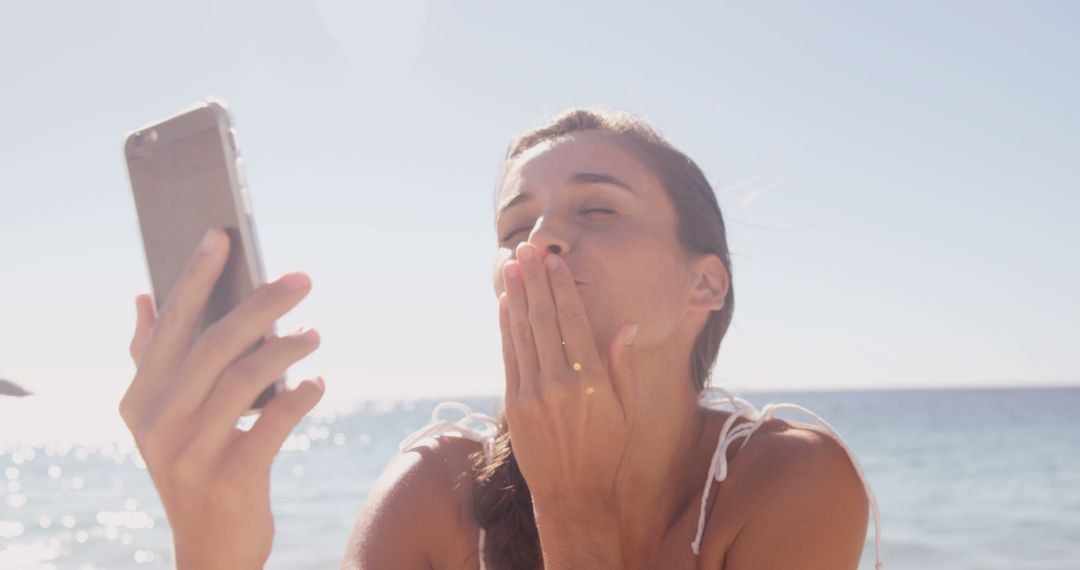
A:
[899, 180]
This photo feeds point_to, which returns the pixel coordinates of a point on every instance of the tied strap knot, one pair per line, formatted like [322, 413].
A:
[483, 434]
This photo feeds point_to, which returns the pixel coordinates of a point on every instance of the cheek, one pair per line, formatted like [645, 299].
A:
[501, 257]
[651, 292]
[665, 299]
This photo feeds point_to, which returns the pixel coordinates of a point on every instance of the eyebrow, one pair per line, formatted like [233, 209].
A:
[597, 178]
[579, 178]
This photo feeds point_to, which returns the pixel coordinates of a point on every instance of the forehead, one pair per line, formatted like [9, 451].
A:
[555, 161]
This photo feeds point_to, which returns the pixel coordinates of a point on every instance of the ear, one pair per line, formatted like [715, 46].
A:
[710, 283]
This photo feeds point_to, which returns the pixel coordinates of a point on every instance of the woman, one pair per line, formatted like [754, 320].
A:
[614, 285]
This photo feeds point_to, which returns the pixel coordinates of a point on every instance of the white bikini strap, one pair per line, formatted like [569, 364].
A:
[480, 551]
[743, 409]
[485, 434]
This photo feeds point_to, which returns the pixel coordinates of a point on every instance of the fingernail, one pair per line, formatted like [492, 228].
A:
[526, 252]
[552, 262]
[322, 383]
[307, 332]
[631, 336]
[512, 271]
[294, 281]
[209, 240]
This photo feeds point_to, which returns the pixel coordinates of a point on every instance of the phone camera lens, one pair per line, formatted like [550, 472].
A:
[141, 137]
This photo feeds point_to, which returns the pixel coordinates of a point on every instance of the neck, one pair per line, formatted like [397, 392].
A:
[666, 468]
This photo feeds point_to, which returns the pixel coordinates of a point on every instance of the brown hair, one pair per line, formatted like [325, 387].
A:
[501, 502]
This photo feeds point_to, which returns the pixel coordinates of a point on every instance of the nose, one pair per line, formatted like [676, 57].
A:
[548, 239]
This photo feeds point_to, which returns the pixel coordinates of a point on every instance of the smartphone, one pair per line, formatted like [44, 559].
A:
[187, 176]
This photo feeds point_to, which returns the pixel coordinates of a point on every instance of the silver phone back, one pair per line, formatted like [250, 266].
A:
[186, 177]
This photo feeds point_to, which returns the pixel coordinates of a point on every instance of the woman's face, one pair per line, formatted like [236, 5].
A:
[591, 201]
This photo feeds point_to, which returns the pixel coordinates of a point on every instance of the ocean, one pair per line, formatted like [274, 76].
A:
[966, 479]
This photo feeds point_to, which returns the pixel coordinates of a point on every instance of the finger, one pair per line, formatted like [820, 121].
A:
[246, 378]
[580, 347]
[277, 420]
[520, 329]
[169, 340]
[509, 359]
[234, 335]
[542, 316]
[144, 311]
[622, 368]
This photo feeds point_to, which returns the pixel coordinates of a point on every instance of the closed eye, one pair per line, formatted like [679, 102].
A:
[596, 214]
[514, 233]
[586, 211]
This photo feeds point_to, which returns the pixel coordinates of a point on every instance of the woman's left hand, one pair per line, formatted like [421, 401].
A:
[571, 414]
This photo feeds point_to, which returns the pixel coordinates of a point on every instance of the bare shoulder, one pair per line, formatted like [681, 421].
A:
[805, 504]
[416, 515]
[790, 453]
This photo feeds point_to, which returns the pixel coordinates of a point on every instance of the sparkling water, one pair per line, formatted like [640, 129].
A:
[966, 479]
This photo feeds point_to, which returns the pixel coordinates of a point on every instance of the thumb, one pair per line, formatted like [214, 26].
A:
[622, 367]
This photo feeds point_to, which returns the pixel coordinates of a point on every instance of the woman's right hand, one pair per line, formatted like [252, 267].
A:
[187, 395]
